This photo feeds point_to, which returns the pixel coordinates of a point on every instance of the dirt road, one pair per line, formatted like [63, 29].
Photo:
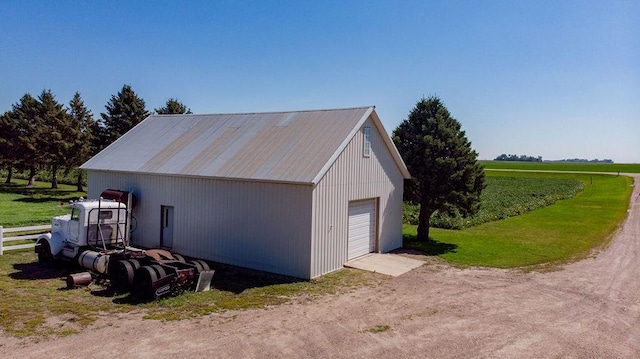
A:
[589, 309]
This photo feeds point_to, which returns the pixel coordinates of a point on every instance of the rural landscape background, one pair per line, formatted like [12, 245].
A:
[537, 78]
[552, 223]
[547, 268]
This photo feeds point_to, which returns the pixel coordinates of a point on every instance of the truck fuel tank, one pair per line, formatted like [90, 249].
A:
[94, 261]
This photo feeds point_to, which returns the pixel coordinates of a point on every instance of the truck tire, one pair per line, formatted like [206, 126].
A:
[200, 265]
[45, 258]
[144, 280]
[124, 272]
[179, 257]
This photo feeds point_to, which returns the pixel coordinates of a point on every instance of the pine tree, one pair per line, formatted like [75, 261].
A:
[173, 107]
[124, 111]
[56, 132]
[29, 144]
[445, 173]
[9, 134]
[82, 124]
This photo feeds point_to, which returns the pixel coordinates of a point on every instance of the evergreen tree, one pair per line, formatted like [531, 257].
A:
[82, 124]
[445, 173]
[9, 134]
[29, 144]
[56, 132]
[173, 107]
[124, 111]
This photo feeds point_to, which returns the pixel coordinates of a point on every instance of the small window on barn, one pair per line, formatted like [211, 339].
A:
[366, 150]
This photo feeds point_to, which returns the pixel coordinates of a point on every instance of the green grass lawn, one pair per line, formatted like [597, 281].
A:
[564, 166]
[567, 230]
[22, 206]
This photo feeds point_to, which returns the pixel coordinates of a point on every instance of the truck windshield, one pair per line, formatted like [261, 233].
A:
[75, 214]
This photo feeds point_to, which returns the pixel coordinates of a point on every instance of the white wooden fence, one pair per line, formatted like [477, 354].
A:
[3, 240]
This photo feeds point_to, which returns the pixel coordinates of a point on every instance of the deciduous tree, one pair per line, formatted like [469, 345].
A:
[445, 173]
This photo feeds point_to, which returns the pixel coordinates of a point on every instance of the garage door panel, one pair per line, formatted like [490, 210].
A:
[362, 224]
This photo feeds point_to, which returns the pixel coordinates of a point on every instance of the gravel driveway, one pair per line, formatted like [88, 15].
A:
[588, 309]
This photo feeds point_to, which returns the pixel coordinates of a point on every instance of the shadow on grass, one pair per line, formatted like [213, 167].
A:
[28, 191]
[39, 195]
[429, 248]
[227, 278]
[35, 271]
[236, 279]
[52, 199]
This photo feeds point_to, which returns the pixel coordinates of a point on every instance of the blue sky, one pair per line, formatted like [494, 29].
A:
[558, 79]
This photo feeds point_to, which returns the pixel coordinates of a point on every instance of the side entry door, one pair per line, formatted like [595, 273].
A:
[166, 223]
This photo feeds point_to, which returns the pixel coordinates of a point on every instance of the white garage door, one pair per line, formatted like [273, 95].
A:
[362, 228]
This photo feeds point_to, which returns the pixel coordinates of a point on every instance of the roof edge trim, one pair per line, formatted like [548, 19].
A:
[301, 183]
[391, 146]
[342, 146]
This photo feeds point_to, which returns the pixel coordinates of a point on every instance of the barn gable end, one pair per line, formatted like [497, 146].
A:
[354, 179]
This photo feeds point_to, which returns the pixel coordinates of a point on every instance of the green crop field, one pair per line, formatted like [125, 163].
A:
[563, 166]
[507, 194]
[565, 231]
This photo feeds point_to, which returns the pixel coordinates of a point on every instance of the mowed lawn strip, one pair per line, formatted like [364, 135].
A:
[565, 231]
[563, 166]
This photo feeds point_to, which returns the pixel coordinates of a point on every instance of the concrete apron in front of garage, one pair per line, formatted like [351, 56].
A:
[387, 263]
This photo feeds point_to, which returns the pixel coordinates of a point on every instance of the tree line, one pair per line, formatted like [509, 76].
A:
[41, 133]
[584, 160]
[521, 158]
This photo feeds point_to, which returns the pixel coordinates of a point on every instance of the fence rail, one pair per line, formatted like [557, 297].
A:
[31, 235]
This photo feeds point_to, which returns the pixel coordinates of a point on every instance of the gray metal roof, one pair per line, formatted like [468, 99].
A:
[294, 147]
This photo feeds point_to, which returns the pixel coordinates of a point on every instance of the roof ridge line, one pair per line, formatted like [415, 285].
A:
[267, 112]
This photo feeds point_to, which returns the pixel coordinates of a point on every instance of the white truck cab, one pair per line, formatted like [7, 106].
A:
[99, 224]
[96, 236]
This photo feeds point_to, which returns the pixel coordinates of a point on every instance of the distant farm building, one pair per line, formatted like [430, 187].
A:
[296, 193]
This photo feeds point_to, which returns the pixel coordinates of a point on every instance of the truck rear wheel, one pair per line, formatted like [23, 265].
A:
[125, 270]
[144, 280]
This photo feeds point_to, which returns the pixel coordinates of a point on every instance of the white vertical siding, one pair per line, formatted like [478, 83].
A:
[259, 225]
[355, 177]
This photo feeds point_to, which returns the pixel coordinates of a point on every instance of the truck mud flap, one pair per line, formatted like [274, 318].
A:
[152, 282]
[204, 280]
